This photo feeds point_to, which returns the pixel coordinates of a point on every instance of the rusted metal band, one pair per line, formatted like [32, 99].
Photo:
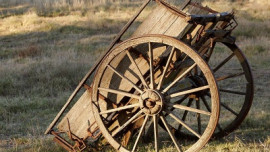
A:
[62, 142]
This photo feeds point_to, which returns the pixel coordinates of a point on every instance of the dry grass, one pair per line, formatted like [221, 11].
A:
[45, 52]
[53, 8]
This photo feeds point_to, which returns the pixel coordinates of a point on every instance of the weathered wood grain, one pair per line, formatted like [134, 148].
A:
[79, 117]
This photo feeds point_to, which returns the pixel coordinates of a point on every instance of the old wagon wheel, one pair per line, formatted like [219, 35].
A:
[140, 81]
[235, 82]
[234, 78]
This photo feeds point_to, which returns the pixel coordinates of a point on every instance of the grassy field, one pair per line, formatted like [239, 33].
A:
[46, 47]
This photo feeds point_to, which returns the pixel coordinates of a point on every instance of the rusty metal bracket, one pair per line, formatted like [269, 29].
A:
[62, 142]
[79, 143]
[199, 34]
[95, 133]
[232, 27]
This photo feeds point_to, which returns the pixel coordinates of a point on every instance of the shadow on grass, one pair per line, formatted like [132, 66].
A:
[49, 52]
[40, 69]
[12, 44]
[19, 9]
[252, 135]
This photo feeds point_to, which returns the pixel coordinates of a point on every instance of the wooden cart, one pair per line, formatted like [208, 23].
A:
[177, 74]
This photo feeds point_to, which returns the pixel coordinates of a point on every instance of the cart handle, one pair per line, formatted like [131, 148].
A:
[203, 19]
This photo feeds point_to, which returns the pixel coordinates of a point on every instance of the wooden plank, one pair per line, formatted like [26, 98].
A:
[160, 21]
[164, 23]
[177, 27]
[150, 21]
[79, 117]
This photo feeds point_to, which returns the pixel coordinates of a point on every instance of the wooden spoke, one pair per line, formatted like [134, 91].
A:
[151, 66]
[182, 99]
[139, 71]
[183, 123]
[183, 60]
[178, 78]
[120, 108]
[230, 76]
[199, 116]
[188, 91]
[165, 69]
[170, 133]
[125, 78]
[205, 103]
[228, 108]
[209, 109]
[233, 92]
[178, 106]
[223, 62]
[222, 104]
[185, 113]
[140, 133]
[178, 102]
[143, 115]
[155, 120]
[120, 92]
[126, 124]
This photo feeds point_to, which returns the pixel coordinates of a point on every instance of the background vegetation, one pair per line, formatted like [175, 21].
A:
[46, 47]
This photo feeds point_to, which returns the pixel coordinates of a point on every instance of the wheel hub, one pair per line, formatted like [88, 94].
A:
[151, 102]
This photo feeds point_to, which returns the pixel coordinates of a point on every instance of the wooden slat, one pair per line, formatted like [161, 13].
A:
[79, 117]
[150, 21]
[177, 27]
[161, 21]
[164, 23]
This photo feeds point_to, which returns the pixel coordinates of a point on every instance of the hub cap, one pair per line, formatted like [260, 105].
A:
[151, 102]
